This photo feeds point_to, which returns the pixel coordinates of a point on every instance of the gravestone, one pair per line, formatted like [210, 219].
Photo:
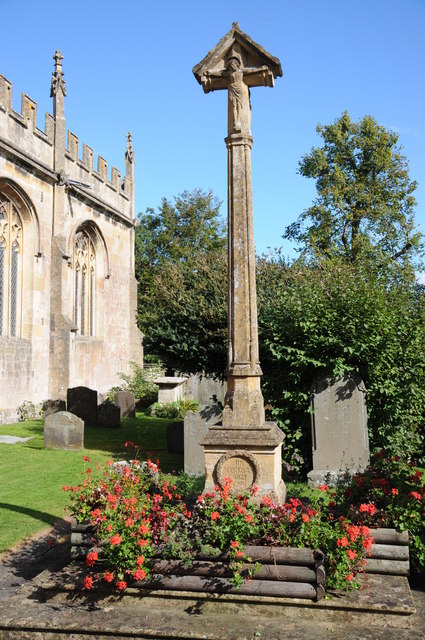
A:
[82, 402]
[108, 415]
[53, 406]
[210, 395]
[339, 427]
[63, 430]
[125, 401]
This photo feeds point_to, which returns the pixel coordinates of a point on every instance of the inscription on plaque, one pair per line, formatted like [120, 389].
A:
[240, 470]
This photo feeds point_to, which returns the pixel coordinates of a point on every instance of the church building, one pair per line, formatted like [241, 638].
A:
[68, 293]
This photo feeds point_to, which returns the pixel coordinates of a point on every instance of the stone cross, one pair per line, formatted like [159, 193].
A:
[236, 64]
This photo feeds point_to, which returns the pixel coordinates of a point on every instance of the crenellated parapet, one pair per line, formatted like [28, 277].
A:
[60, 157]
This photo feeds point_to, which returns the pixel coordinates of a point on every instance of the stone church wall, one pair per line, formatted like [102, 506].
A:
[74, 296]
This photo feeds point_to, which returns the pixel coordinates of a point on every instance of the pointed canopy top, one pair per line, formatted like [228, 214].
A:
[252, 54]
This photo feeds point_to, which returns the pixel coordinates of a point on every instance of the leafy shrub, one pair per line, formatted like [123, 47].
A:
[136, 382]
[173, 410]
[28, 411]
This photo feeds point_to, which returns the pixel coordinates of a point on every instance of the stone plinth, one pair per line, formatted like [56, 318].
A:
[249, 456]
[339, 428]
[169, 388]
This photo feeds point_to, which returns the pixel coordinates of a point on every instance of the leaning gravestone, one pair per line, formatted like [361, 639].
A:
[339, 427]
[125, 401]
[210, 394]
[63, 430]
[82, 401]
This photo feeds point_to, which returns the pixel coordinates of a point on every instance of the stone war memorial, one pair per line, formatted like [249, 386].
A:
[244, 447]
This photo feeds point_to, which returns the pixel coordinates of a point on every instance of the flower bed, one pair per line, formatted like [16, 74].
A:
[140, 520]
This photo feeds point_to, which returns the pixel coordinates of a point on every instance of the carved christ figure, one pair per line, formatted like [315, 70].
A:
[237, 79]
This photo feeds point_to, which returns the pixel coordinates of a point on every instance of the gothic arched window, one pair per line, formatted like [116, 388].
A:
[84, 263]
[10, 268]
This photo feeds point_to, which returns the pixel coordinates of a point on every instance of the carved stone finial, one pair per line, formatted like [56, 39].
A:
[58, 81]
[235, 25]
[129, 152]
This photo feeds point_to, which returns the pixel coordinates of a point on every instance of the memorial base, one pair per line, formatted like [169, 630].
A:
[250, 456]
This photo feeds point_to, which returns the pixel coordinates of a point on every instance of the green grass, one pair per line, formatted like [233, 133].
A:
[31, 477]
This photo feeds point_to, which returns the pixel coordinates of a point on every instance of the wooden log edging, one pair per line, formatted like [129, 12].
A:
[389, 553]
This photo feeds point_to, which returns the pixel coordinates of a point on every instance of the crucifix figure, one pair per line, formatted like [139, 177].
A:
[244, 447]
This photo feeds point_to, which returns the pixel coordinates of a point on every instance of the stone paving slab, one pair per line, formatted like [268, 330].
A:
[26, 613]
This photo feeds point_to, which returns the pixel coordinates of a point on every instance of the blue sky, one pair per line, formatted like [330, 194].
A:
[128, 66]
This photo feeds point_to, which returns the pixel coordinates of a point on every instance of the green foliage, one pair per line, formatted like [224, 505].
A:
[182, 274]
[173, 410]
[364, 206]
[341, 319]
[137, 383]
[28, 411]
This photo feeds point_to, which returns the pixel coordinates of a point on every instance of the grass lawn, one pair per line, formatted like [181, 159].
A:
[31, 477]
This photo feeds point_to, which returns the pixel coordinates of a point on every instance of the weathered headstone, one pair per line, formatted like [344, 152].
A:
[339, 427]
[53, 406]
[236, 64]
[63, 430]
[210, 395]
[125, 401]
[82, 402]
[108, 415]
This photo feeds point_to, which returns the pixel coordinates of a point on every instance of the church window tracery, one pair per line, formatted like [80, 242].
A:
[84, 283]
[11, 236]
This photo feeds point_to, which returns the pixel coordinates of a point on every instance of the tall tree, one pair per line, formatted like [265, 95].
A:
[181, 270]
[364, 205]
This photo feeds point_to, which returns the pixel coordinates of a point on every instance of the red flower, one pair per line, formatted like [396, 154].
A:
[140, 560]
[266, 501]
[367, 542]
[342, 542]
[394, 492]
[234, 544]
[239, 554]
[88, 582]
[350, 576]
[249, 518]
[108, 576]
[305, 517]
[91, 558]
[121, 585]
[139, 574]
[65, 487]
[254, 489]
[116, 539]
[142, 543]
[415, 495]
[353, 532]
[323, 487]
[86, 459]
[351, 553]
[215, 515]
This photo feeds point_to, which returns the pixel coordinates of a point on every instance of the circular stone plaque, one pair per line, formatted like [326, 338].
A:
[241, 466]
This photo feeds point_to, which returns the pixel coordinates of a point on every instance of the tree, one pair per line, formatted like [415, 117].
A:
[182, 274]
[343, 318]
[364, 205]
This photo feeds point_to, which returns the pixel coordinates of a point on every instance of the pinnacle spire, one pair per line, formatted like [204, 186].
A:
[129, 152]
[58, 81]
